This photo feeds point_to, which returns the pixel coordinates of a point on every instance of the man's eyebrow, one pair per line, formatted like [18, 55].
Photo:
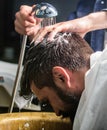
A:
[44, 100]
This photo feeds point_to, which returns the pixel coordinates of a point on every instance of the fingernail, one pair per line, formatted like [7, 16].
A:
[36, 42]
[50, 39]
[32, 41]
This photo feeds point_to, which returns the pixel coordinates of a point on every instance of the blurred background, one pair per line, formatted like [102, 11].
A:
[10, 41]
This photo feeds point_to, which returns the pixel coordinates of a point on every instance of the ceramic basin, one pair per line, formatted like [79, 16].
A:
[33, 121]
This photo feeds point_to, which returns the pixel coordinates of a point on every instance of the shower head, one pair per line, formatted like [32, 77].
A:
[45, 10]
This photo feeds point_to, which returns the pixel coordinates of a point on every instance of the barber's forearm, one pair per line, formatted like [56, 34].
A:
[97, 20]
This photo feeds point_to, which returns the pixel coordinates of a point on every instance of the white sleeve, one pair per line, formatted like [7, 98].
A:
[92, 109]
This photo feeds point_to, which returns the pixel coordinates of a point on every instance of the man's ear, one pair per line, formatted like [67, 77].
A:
[61, 76]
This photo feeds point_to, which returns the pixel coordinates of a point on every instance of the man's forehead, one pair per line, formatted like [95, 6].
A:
[34, 89]
[40, 93]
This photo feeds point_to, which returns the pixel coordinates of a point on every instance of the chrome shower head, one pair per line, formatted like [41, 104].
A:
[45, 10]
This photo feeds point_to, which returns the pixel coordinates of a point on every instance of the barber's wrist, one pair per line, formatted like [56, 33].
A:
[98, 20]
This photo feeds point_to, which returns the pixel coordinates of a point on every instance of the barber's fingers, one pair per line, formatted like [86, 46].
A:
[51, 30]
[39, 36]
[25, 13]
[18, 19]
[23, 16]
[24, 26]
[67, 27]
[54, 29]
[33, 30]
[59, 27]
[19, 27]
[22, 22]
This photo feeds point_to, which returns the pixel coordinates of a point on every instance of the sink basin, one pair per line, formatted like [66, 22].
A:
[33, 121]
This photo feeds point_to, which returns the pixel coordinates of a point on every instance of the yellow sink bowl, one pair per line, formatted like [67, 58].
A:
[33, 121]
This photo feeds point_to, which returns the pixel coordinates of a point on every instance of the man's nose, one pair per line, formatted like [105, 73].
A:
[57, 111]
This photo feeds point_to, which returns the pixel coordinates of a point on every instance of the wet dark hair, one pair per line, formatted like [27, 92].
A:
[67, 50]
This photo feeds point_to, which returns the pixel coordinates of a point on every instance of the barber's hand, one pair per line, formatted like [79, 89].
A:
[25, 23]
[78, 25]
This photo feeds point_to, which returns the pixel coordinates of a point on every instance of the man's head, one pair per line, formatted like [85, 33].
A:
[54, 71]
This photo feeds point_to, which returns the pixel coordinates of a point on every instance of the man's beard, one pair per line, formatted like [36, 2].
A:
[70, 100]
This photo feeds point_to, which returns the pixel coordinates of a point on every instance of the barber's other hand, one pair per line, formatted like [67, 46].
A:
[77, 26]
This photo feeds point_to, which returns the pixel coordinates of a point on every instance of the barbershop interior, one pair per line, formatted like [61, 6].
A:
[16, 113]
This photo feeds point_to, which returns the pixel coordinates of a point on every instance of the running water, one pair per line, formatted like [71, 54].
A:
[48, 21]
